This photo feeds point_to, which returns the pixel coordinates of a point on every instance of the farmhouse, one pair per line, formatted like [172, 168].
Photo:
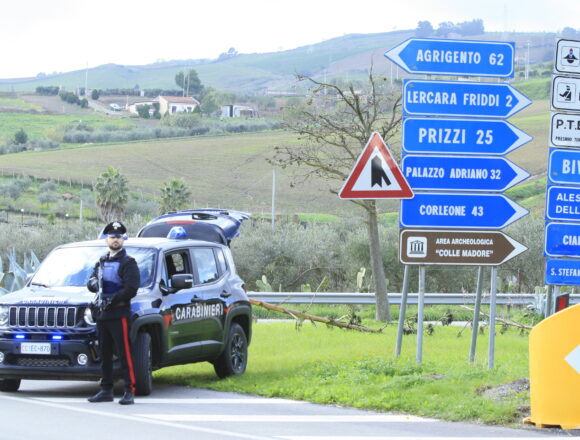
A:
[176, 104]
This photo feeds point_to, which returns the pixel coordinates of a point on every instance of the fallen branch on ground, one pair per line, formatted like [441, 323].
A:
[305, 316]
[504, 321]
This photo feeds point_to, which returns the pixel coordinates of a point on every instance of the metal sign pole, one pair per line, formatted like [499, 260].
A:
[493, 292]
[549, 301]
[420, 314]
[402, 311]
[554, 299]
[475, 324]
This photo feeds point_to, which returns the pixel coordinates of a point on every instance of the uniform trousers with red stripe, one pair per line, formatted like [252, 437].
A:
[114, 333]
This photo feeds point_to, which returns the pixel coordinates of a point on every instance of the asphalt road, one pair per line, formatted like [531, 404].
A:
[52, 410]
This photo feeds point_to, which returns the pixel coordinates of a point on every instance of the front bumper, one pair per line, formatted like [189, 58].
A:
[61, 363]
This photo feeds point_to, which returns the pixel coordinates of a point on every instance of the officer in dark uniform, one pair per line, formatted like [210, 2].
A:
[116, 279]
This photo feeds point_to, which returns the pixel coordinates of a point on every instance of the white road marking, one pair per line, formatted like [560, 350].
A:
[136, 418]
[177, 401]
[238, 418]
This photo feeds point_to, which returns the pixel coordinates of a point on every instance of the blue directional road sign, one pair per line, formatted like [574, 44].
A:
[461, 173]
[562, 271]
[455, 98]
[459, 210]
[455, 57]
[562, 240]
[564, 167]
[563, 203]
[461, 136]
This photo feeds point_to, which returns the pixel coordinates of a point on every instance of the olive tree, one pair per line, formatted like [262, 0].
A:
[334, 125]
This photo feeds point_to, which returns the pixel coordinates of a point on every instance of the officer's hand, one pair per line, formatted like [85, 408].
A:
[107, 304]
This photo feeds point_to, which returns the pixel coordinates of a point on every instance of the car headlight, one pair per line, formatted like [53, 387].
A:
[3, 316]
[89, 316]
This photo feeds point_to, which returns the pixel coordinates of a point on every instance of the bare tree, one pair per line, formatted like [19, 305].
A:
[334, 125]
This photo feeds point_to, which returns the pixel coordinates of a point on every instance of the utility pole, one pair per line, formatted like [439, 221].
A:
[527, 73]
[87, 81]
[273, 198]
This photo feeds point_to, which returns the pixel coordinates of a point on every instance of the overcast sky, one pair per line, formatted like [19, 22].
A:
[63, 35]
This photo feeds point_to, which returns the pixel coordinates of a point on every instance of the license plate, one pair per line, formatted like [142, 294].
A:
[35, 348]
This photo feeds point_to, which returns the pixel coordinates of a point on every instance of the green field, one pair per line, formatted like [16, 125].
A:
[17, 105]
[347, 368]
[222, 171]
[44, 126]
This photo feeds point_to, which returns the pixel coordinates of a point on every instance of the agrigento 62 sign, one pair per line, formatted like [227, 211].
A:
[441, 247]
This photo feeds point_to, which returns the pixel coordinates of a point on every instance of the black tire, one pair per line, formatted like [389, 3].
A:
[9, 385]
[234, 358]
[143, 365]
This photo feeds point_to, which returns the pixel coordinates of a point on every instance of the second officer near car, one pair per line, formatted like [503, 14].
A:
[115, 279]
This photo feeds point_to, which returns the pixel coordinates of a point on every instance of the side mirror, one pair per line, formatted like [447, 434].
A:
[164, 289]
[182, 281]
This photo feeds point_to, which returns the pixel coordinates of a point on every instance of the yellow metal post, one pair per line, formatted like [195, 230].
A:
[555, 370]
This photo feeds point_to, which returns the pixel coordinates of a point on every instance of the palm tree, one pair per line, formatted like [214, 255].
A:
[174, 196]
[111, 194]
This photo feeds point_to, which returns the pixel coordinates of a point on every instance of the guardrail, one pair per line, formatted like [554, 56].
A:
[394, 298]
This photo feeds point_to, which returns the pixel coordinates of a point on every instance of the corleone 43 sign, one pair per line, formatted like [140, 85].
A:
[442, 247]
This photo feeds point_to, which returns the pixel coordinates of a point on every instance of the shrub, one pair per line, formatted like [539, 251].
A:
[20, 137]
[48, 90]
[143, 111]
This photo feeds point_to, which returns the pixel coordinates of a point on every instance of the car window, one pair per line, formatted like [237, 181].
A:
[176, 263]
[221, 258]
[73, 266]
[207, 268]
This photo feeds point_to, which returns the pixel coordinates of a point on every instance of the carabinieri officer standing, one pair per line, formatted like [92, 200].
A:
[116, 278]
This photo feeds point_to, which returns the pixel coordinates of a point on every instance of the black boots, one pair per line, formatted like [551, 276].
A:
[102, 396]
[107, 396]
[128, 399]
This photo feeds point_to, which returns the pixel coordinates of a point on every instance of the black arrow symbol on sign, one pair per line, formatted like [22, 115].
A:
[378, 173]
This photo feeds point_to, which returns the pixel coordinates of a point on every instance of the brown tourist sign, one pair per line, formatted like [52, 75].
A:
[452, 247]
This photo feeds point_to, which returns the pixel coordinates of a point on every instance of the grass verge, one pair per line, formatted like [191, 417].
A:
[325, 365]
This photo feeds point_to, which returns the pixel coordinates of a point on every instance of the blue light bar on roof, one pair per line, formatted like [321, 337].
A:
[177, 232]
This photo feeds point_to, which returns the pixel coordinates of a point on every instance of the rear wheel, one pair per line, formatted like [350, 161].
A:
[10, 385]
[142, 363]
[234, 358]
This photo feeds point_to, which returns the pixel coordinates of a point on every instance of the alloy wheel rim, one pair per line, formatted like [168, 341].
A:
[238, 352]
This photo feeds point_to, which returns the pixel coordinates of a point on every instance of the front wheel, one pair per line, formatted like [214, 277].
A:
[143, 366]
[9, 385]
[234, 358]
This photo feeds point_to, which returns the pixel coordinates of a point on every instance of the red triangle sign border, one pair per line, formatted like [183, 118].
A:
[347, 191]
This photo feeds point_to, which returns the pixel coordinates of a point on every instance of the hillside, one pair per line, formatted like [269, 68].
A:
[232, 170]
[347, 56]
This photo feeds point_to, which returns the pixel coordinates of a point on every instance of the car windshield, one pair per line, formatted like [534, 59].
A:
[73, 266]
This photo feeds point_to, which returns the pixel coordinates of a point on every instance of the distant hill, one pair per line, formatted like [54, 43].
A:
[348, 56]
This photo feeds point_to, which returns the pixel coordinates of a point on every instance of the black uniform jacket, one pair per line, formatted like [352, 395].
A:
[128, 272]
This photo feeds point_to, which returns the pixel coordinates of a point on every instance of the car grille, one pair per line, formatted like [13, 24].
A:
[43, 317]
[36, 361]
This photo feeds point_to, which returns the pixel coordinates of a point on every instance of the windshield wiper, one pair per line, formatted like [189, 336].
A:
[40, 284]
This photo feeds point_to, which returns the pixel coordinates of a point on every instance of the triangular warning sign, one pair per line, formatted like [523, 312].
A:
[376, 175]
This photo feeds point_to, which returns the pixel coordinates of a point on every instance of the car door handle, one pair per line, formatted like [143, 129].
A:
[194, 297]
[225, 294]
